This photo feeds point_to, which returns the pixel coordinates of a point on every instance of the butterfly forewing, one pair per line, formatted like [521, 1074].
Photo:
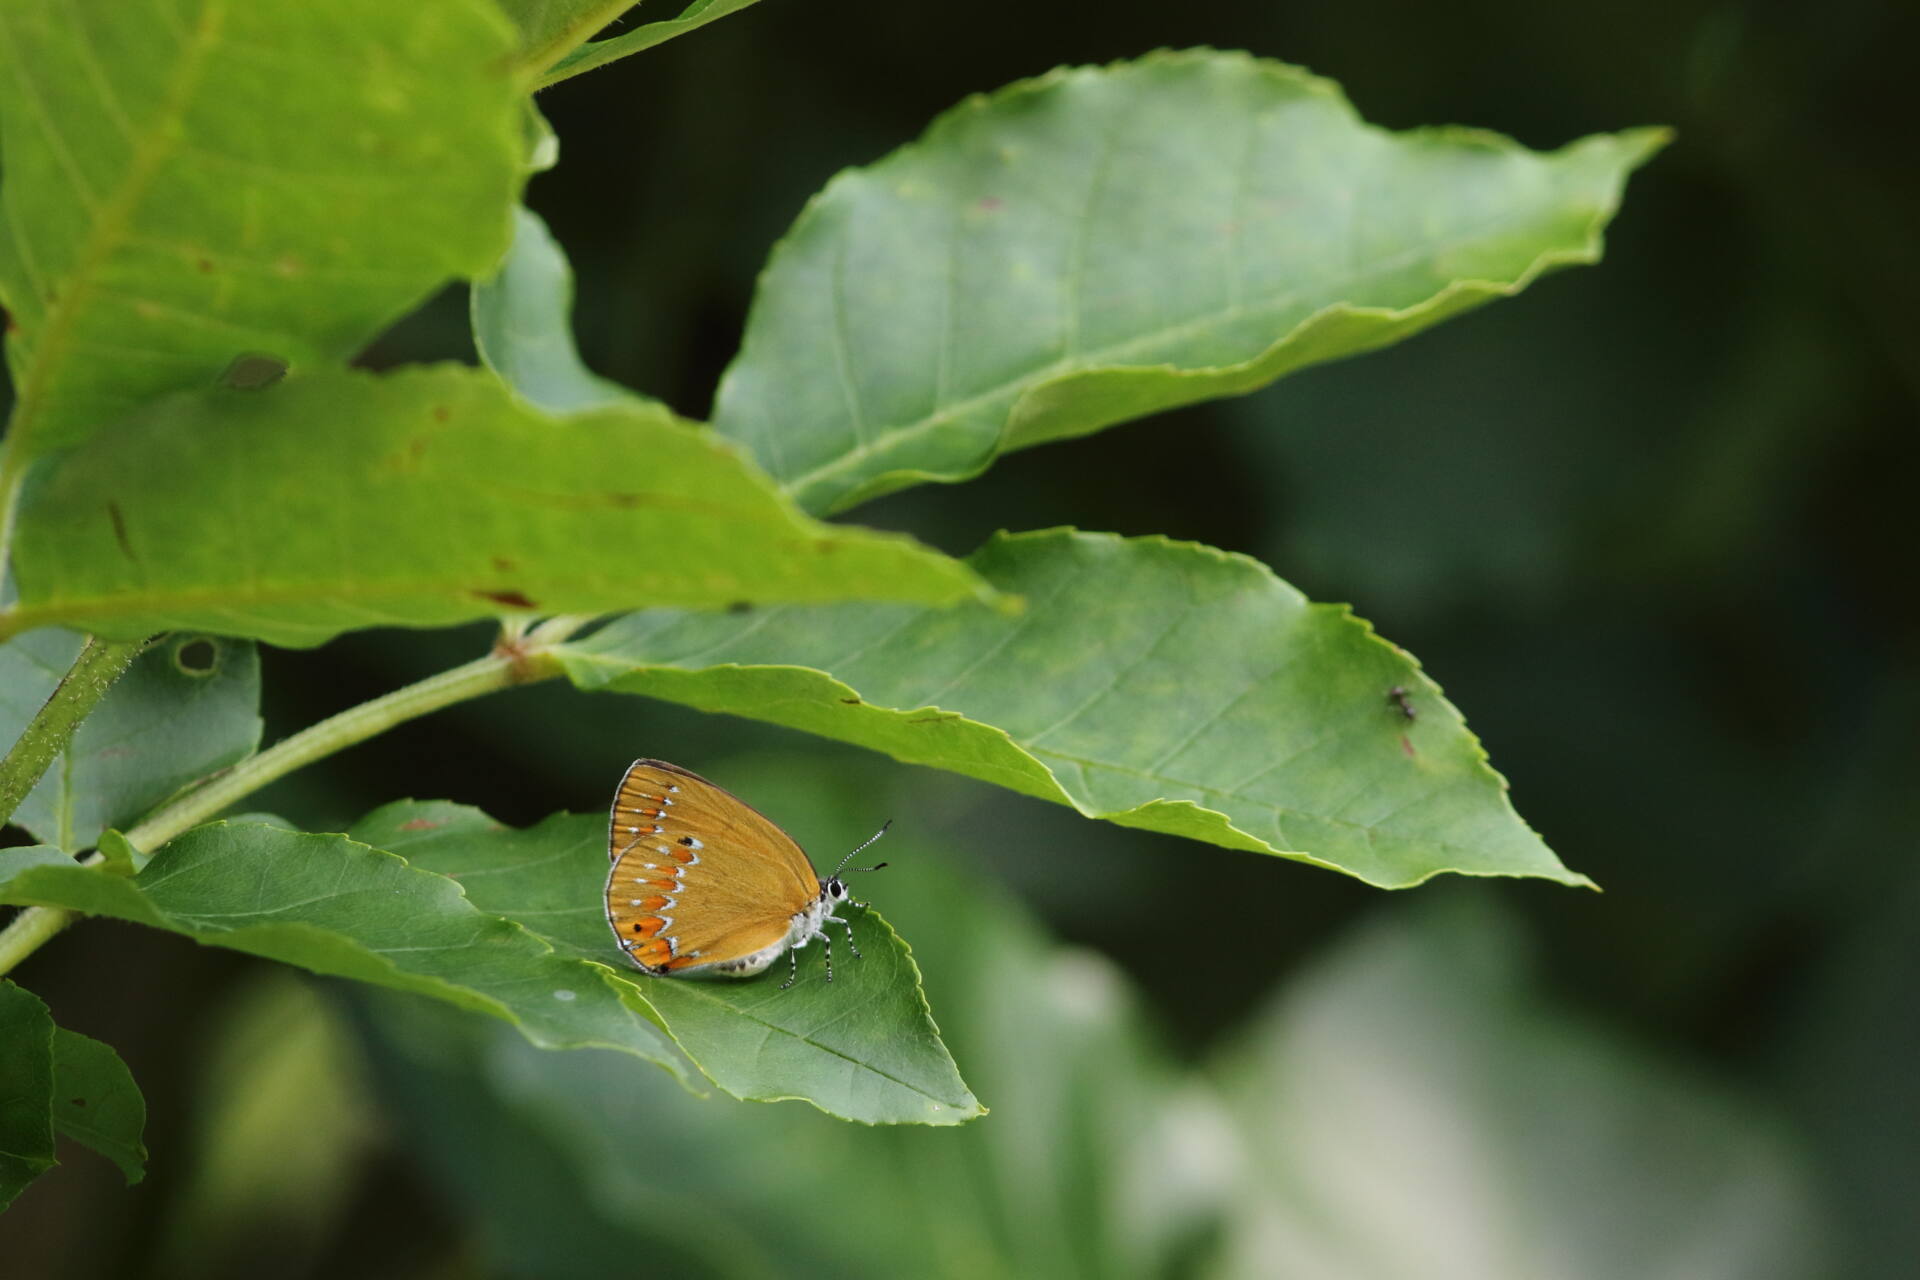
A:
[699, 876]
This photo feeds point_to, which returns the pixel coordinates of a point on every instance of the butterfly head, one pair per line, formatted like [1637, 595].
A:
[833, 888]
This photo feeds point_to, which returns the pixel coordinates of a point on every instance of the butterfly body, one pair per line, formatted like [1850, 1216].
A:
[704, 885]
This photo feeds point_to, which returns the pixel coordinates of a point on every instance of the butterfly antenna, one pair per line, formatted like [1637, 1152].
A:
[863, 844]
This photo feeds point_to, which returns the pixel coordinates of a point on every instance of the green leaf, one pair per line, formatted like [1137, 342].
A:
[335, 906]
[191, 180]
[1085, 1168]
[186, 707]
[339, 499]
[1101, 244]
[1410, 1108]
[1151, 683]
[282, 1122]
[863, 1047]
[118, 856]
[510, 923]
[553, 26]
[523, 328]
[26, 1090]
[96, 1102]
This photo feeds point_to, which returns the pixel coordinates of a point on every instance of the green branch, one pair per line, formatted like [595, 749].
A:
[511, 664]
[101, 662]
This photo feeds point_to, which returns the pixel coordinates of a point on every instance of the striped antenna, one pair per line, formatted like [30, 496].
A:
[863, 844]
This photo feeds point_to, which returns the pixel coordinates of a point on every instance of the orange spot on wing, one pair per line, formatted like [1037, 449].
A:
[655, 903]
[680, 855]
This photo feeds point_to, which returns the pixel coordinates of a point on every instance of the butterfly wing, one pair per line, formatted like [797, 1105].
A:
[699, 876]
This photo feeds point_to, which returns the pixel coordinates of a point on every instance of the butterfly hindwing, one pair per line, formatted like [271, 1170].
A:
[699, 877]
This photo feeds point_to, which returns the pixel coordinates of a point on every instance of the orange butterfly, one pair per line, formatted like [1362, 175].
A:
[703, 885]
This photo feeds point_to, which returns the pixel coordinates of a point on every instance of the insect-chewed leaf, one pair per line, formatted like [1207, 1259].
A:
[421, 498]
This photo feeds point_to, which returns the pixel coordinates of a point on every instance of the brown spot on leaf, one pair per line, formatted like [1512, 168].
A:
[511, 599]
[852, 702]
[990, 204]
[1406, 746]
[441, 413]
[420, 824]
[78, 1102]
[936, 717]
[120, 531]
[205, 265]
[504, 565]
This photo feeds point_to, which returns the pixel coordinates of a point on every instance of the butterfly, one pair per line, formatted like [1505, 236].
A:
[704, 885]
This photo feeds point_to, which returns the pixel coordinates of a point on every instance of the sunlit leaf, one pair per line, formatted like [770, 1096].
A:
[341, 500]
[188, 181]
[1152, 683]
[1100, 244]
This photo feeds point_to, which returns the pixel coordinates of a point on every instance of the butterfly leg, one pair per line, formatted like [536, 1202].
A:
[827, 942]
[793, 963]
[851, 946]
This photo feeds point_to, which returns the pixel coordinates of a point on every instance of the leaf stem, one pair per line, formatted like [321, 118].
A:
[93, 672]
[504, 668]
[12, 479]
[500, 669]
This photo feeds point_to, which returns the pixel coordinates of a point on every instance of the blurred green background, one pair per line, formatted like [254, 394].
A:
[1650, 525]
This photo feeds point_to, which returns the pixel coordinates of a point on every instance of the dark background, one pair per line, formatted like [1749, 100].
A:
[1650, 524]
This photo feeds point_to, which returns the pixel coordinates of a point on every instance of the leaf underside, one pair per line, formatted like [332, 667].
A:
[1101, 244]
[1155, 684]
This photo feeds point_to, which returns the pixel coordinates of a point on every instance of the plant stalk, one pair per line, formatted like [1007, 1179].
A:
[100, 663]
[501, 669]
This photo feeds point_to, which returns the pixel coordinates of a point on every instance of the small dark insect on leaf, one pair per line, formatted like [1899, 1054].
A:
[252, 371]
[1401, 699]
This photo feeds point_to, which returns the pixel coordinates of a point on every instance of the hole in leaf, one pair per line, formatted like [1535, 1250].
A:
[196, 656]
